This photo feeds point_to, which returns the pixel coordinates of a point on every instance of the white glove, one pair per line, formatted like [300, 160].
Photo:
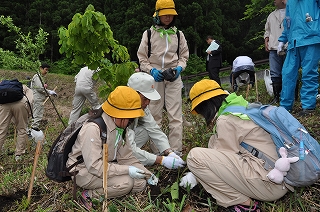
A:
[188, 180]
[153, 180]
[136, 173]
[280, 47]
[172, 154]
[51, 92]
[172, 162]
[37, 135]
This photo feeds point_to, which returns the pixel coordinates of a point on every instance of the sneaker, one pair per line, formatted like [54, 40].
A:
[85, 200]
[244, 208]
[306, 112]
[18, 158]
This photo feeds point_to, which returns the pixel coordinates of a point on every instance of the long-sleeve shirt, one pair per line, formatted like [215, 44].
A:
[158, 137]
[297, 30]
[274, 27]
[89, 145]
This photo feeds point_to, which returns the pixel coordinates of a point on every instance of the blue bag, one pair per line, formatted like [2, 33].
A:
[286, 131]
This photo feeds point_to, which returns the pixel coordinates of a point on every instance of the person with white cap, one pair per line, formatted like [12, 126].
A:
[125, 173]
[168, 50]
[146, 128]
[230, 173]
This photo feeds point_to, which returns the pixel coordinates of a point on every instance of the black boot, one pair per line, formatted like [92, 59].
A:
[277, 86]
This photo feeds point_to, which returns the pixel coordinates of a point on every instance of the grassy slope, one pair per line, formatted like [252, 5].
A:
[51, 196]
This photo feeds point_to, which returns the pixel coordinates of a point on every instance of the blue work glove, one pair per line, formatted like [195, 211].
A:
[153, 180]
[178, 70]
[157, 75]
[136, 173]
[172, 162]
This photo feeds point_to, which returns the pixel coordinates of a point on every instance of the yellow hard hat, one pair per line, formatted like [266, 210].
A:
[165, 7]
[123, 102]
[204, 90]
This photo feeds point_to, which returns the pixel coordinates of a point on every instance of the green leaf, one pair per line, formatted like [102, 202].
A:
[175, 191]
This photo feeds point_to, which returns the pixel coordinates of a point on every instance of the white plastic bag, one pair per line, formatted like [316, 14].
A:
[268, 82]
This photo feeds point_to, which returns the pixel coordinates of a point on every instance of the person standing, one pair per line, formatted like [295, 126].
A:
[214, 60]
[273, 30]
[301, 31]
[83, 90]
[19, 112]
[39, 89]
[146, 128]
[169, 49]
[125, 173]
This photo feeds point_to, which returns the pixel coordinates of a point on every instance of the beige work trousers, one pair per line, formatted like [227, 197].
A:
[230, 179]
[18, 113]
[117, 186]
[171, 100]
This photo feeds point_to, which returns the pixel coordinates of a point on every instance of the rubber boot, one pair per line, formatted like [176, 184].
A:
[276, 92]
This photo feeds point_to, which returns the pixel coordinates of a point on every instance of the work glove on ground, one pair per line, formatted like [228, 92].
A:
[153, 180]
[280, 47]
[178, 70]
[136, 173]
[172, 162]
[188, 180]
[51, 92]
[157, 75]
[172, 154]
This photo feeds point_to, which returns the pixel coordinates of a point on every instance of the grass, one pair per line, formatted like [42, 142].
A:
[168, 196]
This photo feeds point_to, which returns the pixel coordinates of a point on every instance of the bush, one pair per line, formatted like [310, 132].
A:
[65, 66]
[195, 65]
[9, 60]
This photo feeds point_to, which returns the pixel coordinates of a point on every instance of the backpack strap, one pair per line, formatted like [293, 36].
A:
[103, 128]
[178, 35]
[149, 42]
[268, 164]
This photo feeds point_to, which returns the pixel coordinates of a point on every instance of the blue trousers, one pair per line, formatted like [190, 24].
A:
[306, 57]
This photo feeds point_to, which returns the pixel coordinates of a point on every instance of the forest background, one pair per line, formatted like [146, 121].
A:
[238, 25]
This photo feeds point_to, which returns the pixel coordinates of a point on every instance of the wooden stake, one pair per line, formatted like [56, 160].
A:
[48, 96]
[35, 162]
[105, 177]
[247, 93]
[36, 157]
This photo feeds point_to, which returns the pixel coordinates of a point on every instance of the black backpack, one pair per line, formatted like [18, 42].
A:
[10, 91]
[58, 155]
